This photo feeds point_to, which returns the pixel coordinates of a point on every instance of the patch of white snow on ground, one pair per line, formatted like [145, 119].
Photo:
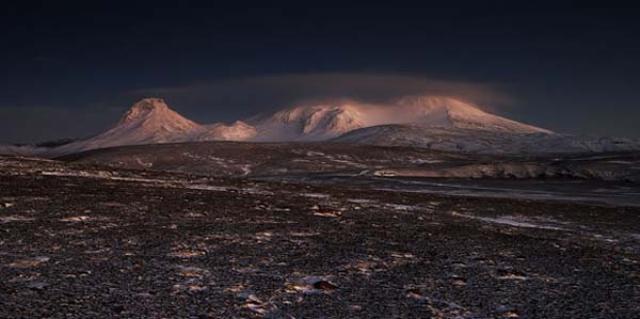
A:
[14, 218]
[361, 201]
[208, 188]
[75, 219]
[142, 163]
[425, 161]
[101, 175]
[312, 284]
[256, 191]
[516, 221]
[246, 169]
[403, 207]
[314, 195]
[620, 162]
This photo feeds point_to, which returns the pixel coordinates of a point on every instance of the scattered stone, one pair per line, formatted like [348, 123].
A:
[503, 309]
[75, 219]
[9, 219]
[313, 284]
[403, 255]
[389, 264]
[324, 285]
[458, 280]
[29, 263]
[37, 285]
[255, 304]
[328, 213]
[415, 293]
[509, 274]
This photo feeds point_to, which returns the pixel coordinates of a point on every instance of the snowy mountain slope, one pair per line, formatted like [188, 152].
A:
[309, 123]
[473, 140]
[146, 122]
[448, 112]
[320, 122]
[238, 131]
[151, 121]
[440, 123]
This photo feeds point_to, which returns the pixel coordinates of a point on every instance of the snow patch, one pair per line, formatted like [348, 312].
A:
[29, 262]
[314, 195]
[515, 221]
[76, 219]
[312, 285]
[14, 218]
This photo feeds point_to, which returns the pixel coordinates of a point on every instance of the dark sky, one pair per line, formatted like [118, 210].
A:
[71, 68]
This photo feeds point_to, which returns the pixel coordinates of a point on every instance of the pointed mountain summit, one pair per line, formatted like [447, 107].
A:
[151, 119]
[143, 108]
[148, 121]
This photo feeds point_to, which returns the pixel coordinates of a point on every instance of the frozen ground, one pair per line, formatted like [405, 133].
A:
[283, 159]
[84, 241]
[592, 192]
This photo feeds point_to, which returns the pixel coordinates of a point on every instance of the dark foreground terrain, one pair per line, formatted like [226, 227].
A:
[282, 159]
[91, 242]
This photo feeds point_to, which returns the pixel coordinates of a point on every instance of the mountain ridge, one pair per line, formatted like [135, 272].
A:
[151, 120]
[435, 122]
[329, 120]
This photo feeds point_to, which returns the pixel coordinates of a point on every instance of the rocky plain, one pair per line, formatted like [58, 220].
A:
[83, 239]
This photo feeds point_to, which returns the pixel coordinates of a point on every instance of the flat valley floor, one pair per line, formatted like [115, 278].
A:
[91, 242]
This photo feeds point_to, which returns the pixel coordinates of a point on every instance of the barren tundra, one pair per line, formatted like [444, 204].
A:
[81, 240]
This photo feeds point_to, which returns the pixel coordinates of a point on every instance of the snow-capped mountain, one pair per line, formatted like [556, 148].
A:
[237, 131]
[309, 123]
[427, 111]
[151, 121]
[324, 121]
[148, 121]
[441, 123]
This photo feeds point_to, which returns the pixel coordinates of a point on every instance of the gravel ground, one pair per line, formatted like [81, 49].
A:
[91, 242]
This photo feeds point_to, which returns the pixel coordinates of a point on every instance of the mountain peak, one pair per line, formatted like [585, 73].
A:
[443, 111]
[309, 122]
[152, 117]
[145, 108]
[449, 106]
[150, 103]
